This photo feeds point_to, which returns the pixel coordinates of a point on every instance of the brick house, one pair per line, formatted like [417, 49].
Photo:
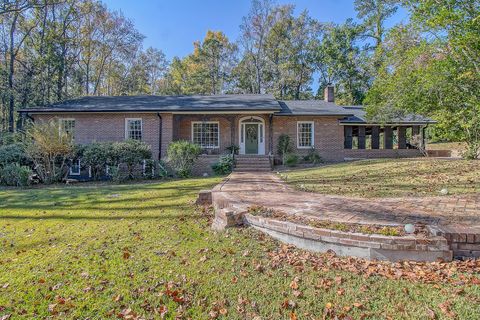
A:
[253, 122]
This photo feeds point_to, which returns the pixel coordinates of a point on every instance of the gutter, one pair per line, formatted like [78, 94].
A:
[159, 136]
[206, 111]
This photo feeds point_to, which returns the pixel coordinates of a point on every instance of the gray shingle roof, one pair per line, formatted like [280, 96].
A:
[220, 103]
[311, 107]
[359, 116]
[230, 102]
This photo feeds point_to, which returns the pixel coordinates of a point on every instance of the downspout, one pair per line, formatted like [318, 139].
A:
[270, 139]
[270, 131]
[159, 136]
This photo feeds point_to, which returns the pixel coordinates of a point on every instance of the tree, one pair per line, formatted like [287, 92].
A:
[255, 28]
[207, 70]
[374, 14]
[432, 68]
[340, 61]
[52, 50]
[216, 53]
[289, 49]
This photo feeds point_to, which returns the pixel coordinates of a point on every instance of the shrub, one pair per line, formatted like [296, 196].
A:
[7, 138]
[15, 175]
[313, 157]
[132, 153]
[472, 152]
[14, 153]
[284, 146]
[50, 150]
[224, 165]
[181, 156]
[155, 169]
[291, 159]
[98, 156]
[233, 149]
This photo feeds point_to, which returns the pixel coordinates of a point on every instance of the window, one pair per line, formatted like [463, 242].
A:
[68, 126]
[75, 168]
[133, 129]
[206, 134]
[305, 132]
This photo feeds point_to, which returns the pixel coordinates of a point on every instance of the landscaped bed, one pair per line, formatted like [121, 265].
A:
[145, 251]
[390, 178]
[420, 231]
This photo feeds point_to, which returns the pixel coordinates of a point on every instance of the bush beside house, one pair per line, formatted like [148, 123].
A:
[181, 156]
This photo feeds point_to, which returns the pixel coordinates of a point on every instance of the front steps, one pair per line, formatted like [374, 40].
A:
[249, 163]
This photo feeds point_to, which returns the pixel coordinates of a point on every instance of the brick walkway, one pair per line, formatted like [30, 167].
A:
[458, 214]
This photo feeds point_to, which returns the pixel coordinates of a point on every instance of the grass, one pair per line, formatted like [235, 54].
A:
[446, 146]
[390, 178]
[144, 250]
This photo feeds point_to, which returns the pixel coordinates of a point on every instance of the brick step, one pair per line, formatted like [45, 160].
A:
[250, 169]
[253, 162]
[266, 164]
[251, 157]
[253, 169]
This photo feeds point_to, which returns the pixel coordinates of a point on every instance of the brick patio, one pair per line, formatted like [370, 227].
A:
[457, 216]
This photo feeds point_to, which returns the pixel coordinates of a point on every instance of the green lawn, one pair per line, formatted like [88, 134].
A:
[143, 250]
[390, 177]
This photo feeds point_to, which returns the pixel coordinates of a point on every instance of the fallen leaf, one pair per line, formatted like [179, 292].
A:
[445, 308]
[294, 285]
[431, 314]
[223, 311]
[358, 305]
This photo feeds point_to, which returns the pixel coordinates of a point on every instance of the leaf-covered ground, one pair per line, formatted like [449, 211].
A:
[143, 251]
[390, 177]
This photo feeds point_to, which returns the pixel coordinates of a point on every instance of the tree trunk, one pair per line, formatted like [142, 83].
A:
[11, 70]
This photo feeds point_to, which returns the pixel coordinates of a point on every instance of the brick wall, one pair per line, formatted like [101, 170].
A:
[111, 127]
[183, 129]
[228, 135]
[381, 153]
[204, 165]
[328, 135]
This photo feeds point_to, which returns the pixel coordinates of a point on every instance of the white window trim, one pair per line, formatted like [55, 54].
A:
[313, 135]
[207, 122]
[71, 173]
[126, 126]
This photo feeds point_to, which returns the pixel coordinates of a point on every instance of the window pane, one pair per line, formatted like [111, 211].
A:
[134, 129]
[206, 134]
[68, 126]
[305, 134]
[75, 168]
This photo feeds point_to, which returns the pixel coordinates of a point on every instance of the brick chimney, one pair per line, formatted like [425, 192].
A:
[329, 95]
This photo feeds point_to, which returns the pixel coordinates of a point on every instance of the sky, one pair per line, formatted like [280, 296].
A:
[173, 25]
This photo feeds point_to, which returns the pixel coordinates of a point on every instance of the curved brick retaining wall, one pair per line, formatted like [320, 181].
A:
[232, 198]
[354, 244]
